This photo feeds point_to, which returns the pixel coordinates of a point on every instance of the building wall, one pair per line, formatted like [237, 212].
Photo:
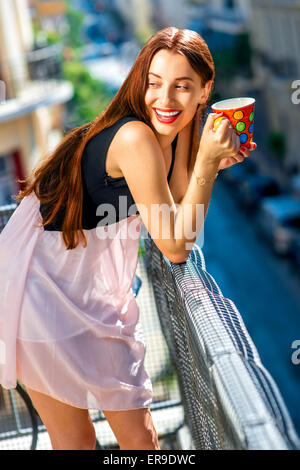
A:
[12, 59]
[19, 135]
[137, 14]
[22, 17]
[173, 13]
[26, 139]
[49, 7]
[275, 32]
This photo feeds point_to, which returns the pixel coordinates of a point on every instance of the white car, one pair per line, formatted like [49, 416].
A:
[278, 219]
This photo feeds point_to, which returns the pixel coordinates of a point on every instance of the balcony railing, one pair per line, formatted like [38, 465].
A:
[45, 63]
[39, 83]
[230, 400]
[211, 390]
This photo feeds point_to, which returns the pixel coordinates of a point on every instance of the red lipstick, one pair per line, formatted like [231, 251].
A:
[162, 115]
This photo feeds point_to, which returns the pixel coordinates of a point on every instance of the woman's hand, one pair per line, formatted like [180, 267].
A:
[193, 127]
[221, 146]
[238, 158]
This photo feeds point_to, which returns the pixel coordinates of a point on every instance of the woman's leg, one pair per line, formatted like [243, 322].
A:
[133, 429]
[69, 428]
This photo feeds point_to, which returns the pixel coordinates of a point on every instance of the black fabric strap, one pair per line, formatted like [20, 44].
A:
[174, 143]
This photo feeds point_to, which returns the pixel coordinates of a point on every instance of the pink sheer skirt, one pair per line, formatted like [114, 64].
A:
[69, 322]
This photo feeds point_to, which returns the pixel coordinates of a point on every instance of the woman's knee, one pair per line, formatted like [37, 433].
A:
[133, 429]
[81, 440]
[145, 439]
[74, 437]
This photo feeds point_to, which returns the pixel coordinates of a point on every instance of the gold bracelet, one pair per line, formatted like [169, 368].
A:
[203, 181]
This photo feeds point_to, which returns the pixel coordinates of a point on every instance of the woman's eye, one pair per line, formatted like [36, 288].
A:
[177, 86]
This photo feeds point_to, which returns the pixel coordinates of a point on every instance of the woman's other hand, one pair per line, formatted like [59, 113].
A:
[238, 158]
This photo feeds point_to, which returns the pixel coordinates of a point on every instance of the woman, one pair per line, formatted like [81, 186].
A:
[70, 329]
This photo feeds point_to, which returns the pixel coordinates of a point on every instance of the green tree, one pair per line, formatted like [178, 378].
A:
[42, 38]
[74, 19]
[91, 96]
[225, 64]
[277, 144]
[243, 53]
[236, 60]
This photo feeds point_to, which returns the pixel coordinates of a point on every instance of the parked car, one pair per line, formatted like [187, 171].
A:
[254, 188]
[278, 220]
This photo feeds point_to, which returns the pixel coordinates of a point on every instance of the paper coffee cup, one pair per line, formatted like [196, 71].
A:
[240, 112]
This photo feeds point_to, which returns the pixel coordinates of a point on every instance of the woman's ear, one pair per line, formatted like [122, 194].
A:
[206, 92]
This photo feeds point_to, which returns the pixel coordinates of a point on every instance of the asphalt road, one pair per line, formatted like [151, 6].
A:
[264, 288]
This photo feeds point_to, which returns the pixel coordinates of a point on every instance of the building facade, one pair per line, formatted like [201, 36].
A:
[30, 108]
[275, 31]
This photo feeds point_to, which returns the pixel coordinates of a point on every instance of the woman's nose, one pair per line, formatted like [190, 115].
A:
[166, 98]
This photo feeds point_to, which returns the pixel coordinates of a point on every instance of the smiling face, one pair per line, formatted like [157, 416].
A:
[173, 93]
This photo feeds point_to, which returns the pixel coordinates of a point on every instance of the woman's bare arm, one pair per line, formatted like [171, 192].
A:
[142, 164]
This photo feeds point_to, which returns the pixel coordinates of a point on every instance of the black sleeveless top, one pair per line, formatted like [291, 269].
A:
[100, 188]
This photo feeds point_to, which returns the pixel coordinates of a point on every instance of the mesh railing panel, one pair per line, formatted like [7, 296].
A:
[229, 398]
[5, 214]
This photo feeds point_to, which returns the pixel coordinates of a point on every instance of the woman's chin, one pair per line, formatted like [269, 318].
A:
[164, 129]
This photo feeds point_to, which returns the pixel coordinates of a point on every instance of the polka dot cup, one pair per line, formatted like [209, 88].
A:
[240, 112]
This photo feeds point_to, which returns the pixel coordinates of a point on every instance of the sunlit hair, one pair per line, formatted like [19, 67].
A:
[57, 179]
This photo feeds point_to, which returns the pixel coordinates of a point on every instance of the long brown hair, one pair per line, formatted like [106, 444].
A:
[57, 180]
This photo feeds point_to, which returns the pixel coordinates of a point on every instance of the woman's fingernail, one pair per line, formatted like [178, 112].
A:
[243, 149]
[254, 145]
